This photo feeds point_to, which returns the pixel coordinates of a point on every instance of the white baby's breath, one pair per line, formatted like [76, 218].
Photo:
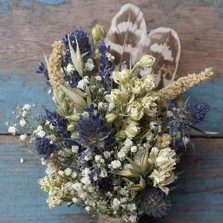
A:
[12, 130]
[70, 68]
[43, 161]
[134, 149]
[121, 155]
[89, 65]
[116, 203]
[27, 107]
[128, 143]
[87, 208]
[41, 133]
[98, 78]
[107, 154]
[68, 171]
[61, 173]
[23, 137]
[115, 164]
[74, 149]
[110, 57]
[82, 84]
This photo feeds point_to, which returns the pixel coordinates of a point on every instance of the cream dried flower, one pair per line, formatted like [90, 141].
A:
[135, 110]
[149, 103]
[121, 77]
[164, 162]
[145, 61]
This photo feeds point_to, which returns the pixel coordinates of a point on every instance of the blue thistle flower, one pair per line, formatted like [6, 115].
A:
[106, 67]
[153, 202]
[82, 38]
[44, 148]
[190, 114]
[93, 132]
[196, 111]
[106, 184]
[103, 48]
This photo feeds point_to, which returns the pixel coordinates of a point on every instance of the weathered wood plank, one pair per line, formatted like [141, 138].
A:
[19, 89]
[29, 27]
[198, 197]
[21, 199]
[31, 88]
[22, 24]
[211, 93]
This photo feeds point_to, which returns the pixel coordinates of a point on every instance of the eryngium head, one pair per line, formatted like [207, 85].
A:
[153, 202]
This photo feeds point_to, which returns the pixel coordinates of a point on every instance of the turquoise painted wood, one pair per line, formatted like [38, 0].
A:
[20, 89]
[6, 5]
[21, 199]
[211, 93]
[197, 198]
[27, 29]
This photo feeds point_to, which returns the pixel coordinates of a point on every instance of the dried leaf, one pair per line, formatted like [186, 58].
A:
[76, 98]
[144, 160]
[135, 166]
[76, 58]
[126, 173]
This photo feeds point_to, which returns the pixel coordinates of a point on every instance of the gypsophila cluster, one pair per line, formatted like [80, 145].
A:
[113, 143]
[22, 119]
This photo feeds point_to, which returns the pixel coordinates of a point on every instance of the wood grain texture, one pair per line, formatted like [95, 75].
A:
[21, 199]
[197, 199]
[19, 89]
[27, 29]
[199, 196]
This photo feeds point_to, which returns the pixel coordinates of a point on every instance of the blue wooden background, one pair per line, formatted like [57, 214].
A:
[27, 29]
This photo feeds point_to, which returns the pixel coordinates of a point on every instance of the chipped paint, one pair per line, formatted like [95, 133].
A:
[21, 197]
[25, 3]
[211, 93]
[216, 4]
[32, 90]
[20, 89]
[7, 5]
[51, 2]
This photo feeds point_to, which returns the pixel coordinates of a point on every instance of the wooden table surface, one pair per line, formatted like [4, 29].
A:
[27, 29]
